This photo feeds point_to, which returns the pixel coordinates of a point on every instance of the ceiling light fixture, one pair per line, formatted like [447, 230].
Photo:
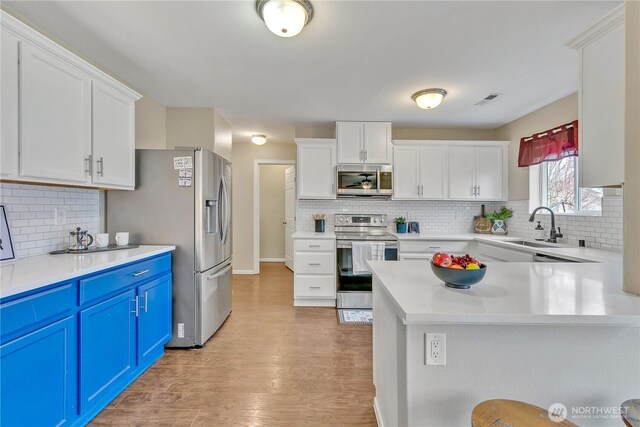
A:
[259, 139]
[285, 18]
[429, 98]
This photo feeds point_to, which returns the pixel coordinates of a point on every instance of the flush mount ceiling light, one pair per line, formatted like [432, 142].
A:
[258, 139]
[429, 98]
[285, 18]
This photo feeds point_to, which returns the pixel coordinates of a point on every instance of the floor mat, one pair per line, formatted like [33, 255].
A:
[355, 317]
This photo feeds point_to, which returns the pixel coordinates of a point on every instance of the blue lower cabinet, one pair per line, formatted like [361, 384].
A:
[107, 348]
[154, 321]
[38, 377]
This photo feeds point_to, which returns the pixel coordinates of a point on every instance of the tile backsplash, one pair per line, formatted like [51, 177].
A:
[603, 231]
[31, 212]
[433, 216]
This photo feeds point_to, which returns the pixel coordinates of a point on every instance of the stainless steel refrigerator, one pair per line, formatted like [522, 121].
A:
[183, 197]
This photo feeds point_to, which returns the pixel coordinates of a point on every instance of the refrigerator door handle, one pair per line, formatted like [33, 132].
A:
[227, 207]
[221, 210]
[220, 273]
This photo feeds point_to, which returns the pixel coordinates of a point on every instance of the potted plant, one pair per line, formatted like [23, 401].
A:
[401, 224]
[498, 218]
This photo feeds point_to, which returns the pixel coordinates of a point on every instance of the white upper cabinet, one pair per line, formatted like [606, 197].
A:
[55, 118]
[113, 137]
[9, 107]
[420, 171]
[406, 172]
[316, 168]
[462, 173]
[601, 98]
[363, 142]
[478, 171]
[63, 120]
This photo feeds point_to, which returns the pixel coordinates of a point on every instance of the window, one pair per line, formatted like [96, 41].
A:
[560, 191]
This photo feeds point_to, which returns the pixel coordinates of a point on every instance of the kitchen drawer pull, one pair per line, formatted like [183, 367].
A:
[314, 264]
[435, 247]
[314, 246]
[140, 273]
[218, 274]
[315, 287]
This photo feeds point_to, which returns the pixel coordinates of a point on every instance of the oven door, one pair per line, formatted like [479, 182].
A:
[354, 290]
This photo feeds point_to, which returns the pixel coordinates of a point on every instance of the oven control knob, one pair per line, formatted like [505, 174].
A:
[340, 219]
[348, 219]
[375, 221]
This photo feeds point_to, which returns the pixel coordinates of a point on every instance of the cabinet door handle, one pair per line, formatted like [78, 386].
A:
[87, 169]
[314, 264]
[100, 163]
[140, 273]
[361, 155]
[136, 302]
[478, 191]
[145, 307]
[365, 155]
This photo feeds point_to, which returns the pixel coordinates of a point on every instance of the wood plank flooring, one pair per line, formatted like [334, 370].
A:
[270, 364]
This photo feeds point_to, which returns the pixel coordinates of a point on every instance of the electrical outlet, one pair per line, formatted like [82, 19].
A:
[435, 348]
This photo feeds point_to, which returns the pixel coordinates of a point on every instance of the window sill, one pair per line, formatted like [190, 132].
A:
[580, 213]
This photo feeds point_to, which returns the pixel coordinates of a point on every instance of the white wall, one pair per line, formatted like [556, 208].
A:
[272, 198]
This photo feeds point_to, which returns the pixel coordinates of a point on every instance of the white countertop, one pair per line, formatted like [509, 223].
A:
[26, 274]
[573, 253]
[314, 235]
[512, 293]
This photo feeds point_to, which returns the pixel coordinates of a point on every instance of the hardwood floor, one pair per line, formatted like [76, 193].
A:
[270, 364]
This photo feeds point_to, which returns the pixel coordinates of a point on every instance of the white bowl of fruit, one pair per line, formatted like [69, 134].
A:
[458, 272]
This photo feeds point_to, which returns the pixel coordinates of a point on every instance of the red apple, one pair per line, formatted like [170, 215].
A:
[441, 259]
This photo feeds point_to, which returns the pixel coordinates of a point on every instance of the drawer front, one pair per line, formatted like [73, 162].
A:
[23, 312]
[503, 254]
[315, 287]
[315, 263]
[434, 246]
[328, 245]
[120, 278]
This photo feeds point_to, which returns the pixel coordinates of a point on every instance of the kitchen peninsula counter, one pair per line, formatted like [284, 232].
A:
[526, 332]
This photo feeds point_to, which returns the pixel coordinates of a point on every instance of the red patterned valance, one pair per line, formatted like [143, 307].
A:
[553, 144]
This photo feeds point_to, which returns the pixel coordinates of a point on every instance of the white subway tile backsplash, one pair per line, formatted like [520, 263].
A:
[457, 217]
[31, 215]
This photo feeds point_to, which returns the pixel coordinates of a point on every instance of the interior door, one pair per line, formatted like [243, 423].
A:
[209, 210]
[290, 214]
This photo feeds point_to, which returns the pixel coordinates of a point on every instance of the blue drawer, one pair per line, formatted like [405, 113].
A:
[123, 277]
[37, 308]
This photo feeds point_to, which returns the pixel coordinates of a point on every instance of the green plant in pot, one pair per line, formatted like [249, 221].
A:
[401, 224]
[499, 218]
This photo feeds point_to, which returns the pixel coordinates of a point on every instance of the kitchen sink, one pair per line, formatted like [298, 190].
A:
[533, 244]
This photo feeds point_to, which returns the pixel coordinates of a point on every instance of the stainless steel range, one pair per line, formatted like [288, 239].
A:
[354, 290]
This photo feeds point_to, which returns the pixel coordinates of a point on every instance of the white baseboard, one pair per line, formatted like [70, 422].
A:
[376, 411]
[272, 260]
[244, 272]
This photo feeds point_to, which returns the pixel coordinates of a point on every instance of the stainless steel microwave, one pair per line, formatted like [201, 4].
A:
[364, 181]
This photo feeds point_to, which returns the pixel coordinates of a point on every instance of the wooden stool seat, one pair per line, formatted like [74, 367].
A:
[503, 413]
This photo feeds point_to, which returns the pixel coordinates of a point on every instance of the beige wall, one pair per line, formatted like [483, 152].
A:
[244, 155]
[444, 134]
[562, 111]
[272, 192]
[222, 135]
[632, 149]
[190, 127]
[151, 124]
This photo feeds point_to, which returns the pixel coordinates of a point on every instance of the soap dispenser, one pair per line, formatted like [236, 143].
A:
[539, 232]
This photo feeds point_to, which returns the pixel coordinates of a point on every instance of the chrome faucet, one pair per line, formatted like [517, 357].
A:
[554, 235]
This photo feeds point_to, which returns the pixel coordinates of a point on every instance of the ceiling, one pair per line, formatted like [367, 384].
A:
[356, 60]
